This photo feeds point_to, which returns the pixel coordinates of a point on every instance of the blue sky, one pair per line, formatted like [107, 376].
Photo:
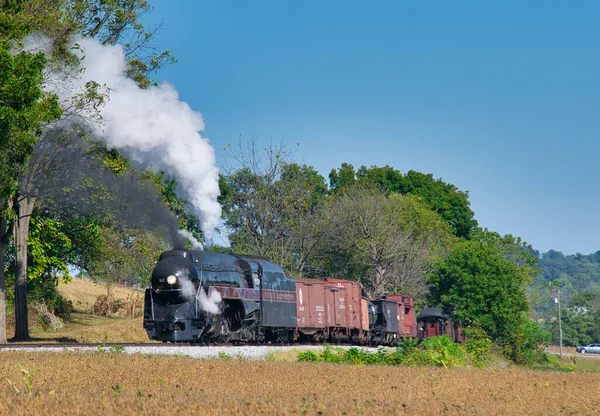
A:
[499, 99]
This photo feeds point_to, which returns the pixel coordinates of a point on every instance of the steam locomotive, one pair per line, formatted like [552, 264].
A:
[202, 297]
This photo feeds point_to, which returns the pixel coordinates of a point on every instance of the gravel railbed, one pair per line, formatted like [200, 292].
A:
[249, 352]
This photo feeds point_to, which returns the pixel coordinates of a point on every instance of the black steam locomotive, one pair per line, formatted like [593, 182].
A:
[199, 296]
[257, 301]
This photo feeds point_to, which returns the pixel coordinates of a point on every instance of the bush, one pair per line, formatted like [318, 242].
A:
[526, 346]
[407, 346]
[46, 291]
[419, 358]
[478, 346]
[307, 356]
[444, 352]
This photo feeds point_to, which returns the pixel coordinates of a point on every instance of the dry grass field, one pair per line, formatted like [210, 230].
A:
[83, 326]
[116, 383]
[83, 293]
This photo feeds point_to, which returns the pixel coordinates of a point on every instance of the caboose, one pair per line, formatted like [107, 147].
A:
[433, 322]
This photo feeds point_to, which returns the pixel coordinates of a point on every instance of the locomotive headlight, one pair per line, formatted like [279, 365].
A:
[172, 279]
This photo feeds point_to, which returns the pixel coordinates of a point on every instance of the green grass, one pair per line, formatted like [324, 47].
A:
[570, 363]
[435, 352]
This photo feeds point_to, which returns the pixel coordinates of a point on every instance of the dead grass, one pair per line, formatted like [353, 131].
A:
[84, 327]
[84, 293]
[113, 383]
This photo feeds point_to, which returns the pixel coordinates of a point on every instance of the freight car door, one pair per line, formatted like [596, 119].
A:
[340, 307]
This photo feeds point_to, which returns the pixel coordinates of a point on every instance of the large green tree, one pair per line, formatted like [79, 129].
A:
[446, 199]
[482, 283]
[385, 241]
[24, 108]
[110, 22]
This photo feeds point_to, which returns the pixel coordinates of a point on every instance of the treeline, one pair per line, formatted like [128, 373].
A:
[578, 279]
[394, 232]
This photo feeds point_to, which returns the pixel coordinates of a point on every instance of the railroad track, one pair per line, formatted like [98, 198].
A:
[143, 344]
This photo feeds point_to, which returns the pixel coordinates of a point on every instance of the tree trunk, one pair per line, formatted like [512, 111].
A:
[24, 209]
[4, 233]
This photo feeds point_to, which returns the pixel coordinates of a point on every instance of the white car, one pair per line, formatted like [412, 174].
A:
[592, 348]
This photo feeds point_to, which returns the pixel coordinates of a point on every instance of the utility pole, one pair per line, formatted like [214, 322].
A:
[557, 300]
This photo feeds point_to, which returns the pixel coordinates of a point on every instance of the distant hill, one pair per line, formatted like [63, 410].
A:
[573, 273]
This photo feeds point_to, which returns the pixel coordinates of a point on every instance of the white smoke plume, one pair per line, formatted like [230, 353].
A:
[211, 302]
[196, 245]
[189, 292]
[152, 126]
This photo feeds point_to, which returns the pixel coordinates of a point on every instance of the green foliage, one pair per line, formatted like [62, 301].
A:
[24, 108]
[342, 177]
[444, 352]
[307, 356]
[436, 351]
[46, 242]
[528, 345]
[478, 345]
[125, 256]
[271, 205]
[447, 200]
[27, 376]
[120, 21]
[116, 348]
[477, 285]
[420, 358]
[385, 242]
[578, 277]
[407, 346]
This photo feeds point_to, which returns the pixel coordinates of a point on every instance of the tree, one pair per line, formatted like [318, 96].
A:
[446, 199]
[579, 323]
[24, 107]
[342, 177]
[304, 191]
[125, 256]
[271, 205]
[386, 242]
[480, 285]
[251, 198]
[111, 22]
[119, 21]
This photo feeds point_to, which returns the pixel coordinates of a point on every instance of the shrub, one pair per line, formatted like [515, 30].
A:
[478, 346]
[444, 352]
[526, 345]
[407, 346]
[307, 356]
[419, 358]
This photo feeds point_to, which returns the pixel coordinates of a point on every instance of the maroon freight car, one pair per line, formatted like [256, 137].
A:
[313, 317]
[331, 309]
[357, 309]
